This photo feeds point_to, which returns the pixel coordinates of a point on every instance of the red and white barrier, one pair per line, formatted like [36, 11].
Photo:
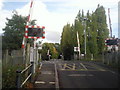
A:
[27, 26]
[28, 20]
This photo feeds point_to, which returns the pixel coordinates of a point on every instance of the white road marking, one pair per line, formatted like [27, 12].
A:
[51, 82]
[78, 75]
[56, 78]
[39, 82]
[83, 66]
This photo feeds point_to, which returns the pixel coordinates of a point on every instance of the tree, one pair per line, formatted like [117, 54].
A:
[14, 32]
[52, 51]
[67, 42]
[102, 30]
[96, 32]
[78, 27]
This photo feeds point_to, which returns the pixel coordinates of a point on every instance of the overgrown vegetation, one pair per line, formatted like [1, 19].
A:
[12, 40]
[14, 32]
[9, 75]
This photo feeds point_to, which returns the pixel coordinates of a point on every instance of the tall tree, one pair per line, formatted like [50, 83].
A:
[102, 30]
[96, 32]
[14, 32]
[67, 42]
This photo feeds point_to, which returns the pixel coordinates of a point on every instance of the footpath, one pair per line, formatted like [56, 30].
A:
[46, 78]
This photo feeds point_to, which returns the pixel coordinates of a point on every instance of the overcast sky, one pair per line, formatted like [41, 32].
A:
[54, 14]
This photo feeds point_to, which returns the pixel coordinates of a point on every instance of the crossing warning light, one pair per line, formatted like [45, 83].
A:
[110, 42]
[35, 32]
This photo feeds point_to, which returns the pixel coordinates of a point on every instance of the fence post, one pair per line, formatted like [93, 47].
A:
[18, 78]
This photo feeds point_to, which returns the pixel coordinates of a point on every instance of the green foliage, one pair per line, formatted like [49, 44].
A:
[96, 32]
[67, 41]
[9, 76]
[54, 50]
[14, 32]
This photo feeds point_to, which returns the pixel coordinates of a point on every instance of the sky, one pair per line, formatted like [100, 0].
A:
[54, 14]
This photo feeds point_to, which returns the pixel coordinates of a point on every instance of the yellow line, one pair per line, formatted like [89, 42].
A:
[73, 66]
[68, 67]
[64, 66]
[83, 66]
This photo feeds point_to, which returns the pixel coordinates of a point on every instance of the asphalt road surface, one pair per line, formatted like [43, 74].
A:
[84, 74]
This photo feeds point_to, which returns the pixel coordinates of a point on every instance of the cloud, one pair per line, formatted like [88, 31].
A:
[54, 14]
[1, 4]
[52, 21]
[3, 15]
[53, 36]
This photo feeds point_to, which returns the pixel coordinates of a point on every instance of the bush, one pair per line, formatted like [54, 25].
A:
[9, 76]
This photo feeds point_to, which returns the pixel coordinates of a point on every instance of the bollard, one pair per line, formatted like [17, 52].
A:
[18, 78]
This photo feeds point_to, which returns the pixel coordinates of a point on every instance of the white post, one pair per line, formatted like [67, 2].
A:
[78, 43]
[91, 56]
[34, 55]
[48, 53]
[37, 56]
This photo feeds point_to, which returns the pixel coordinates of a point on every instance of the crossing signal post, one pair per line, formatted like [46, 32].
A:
[77, 49]
[32, 32]
[111, 43]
